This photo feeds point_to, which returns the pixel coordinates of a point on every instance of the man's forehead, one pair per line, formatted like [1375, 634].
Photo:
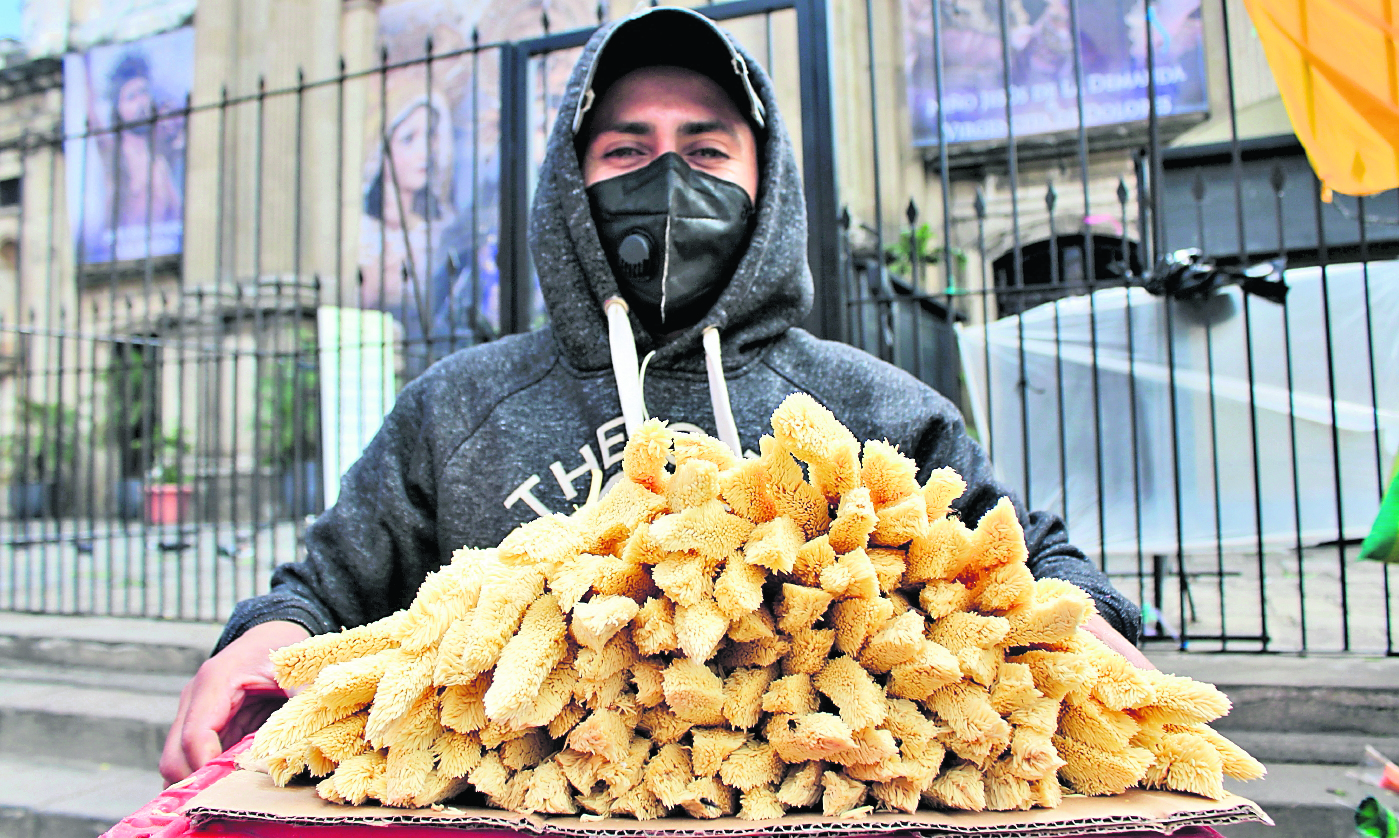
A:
[628, 104]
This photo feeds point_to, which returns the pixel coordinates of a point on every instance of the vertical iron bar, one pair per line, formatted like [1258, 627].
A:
[259, 323]
[1089, 253]
[92, 447]
[1051, 198]
[1173, 397]
[473, 307]
[422, 285]
[1198, 191]
[1153, 121]
[513, 252]
[1374, 401]
[150, 433]
[1017, 265]
[298, 406]
[1129, 315]
[60, 340]
[185, 325]
[915, 300]
[767, 45]
[819, 165]
[144, 456]
[26, 448]
[223, 333]
[874, 161]
[1324, 258]
[186, 515]
[1236, 167]
[949, 280]
[154, 323]
[987, 296]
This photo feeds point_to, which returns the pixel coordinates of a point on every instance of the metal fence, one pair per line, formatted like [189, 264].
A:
[1217, 451]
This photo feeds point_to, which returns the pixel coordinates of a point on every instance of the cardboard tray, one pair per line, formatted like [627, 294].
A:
[251, 796]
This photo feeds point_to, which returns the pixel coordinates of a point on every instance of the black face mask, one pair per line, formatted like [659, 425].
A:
[673, 237]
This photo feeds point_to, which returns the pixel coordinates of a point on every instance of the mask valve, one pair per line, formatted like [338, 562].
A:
[634, 254]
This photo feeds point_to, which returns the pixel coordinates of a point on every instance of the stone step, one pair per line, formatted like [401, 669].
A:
[106, 643]
[1324, 748]
[1305, 801]
[43, 797]
[1336, 694]
[53, 712]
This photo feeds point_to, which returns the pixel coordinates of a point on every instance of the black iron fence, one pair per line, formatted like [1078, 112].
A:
[172, 417]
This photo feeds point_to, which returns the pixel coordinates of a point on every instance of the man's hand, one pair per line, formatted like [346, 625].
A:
[231, 695]
[1099, 628]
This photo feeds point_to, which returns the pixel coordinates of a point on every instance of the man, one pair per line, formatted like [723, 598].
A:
[668, 219]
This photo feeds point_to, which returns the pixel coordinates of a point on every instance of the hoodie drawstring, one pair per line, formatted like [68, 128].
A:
[719, 392]
[628, 375]
[624, 366]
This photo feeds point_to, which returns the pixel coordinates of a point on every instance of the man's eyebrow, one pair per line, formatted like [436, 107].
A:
[689, 129]
[639, 129]
[692, 129]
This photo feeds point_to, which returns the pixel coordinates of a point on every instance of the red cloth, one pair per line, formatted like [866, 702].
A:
[157, 819]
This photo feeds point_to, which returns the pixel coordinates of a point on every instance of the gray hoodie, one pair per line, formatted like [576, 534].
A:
[498, 434]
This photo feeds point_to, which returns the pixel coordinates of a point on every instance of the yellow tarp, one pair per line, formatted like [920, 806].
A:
[1335, 63]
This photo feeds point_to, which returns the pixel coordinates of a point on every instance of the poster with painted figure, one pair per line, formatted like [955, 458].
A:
[124, 120]
[1026, 50]
[430, 214]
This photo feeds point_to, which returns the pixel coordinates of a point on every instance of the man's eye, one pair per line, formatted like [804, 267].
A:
[710, 153]
[621, 152]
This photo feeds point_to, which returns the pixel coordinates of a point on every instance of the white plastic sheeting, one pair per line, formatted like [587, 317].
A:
[1121, 433]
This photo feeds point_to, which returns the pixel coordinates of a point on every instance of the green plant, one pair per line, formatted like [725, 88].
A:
[919, 244]
[167, 451]
[289, 405]
[131, 417]
[43, 443]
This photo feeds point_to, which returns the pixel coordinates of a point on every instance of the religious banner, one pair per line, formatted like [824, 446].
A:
[1034, 38]
[124, 121]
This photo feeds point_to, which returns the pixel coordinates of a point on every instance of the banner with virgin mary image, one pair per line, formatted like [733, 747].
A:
[430, 203]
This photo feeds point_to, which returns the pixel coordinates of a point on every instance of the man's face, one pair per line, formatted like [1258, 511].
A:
[655, 110]
[134, 100]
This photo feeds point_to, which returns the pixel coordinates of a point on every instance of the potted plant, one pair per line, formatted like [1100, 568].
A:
[168, 490]
[918, 246]
[289, 412]
[36, 457]
[131, 420]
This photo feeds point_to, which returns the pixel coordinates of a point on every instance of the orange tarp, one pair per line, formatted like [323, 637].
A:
[1335, 63]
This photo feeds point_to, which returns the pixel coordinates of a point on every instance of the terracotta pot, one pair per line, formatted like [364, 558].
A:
[167, 503]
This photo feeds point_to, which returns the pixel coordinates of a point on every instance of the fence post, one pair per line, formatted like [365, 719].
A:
[513, 253]
[819, 170]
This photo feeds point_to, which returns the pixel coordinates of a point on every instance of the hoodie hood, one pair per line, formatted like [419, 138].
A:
[771, 288]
